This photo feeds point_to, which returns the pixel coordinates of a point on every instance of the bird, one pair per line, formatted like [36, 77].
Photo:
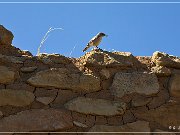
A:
[95, 41]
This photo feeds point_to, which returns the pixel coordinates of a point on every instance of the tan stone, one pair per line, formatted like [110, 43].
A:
[90, 120]
[96, 106]
[128, 117]
[164, 115]
[102, 94]
[63, 97]
[2, 86]
[136, 82]
[161, 71]
[20, 86]
[1, 114]
[79, 117]
[39, 105]
[12, 59]
[15, 97]
[161, 98]
[6, 36]
[11, 110]
[54, 58]
[32, 134]
[101, 120]
[65, 79]
[79, 124]
[100, 58]
[28, 69]
[161, 132]
[163, 59]
[45, 100]
[138, 126]
[37, 120]
[43, 92]
[115, 120]
[6, 75]
[105, 73]
[174, 85]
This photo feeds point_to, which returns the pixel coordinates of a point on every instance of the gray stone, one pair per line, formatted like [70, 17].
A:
[96, 106]
[137, 82]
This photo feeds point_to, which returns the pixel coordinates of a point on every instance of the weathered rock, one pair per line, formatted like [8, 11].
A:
[6, 36]
[115, 120]
[63, 97]
[174, 86]
[10, 50]
[1, 114]
[105, 74]
[101, 120]
[6, 75]
[137, 82]
[65, 79]
[20, 86]
[100, 58]
[96, 106]
[140, 101]
[12, 59]
[165, 115]
[163, 59]
[128, 117]
[37, 120]
[15, 97]
[138, 126]
[161, 71]
[79, 124]
[161, 132]
[43, 92]
[54, 58]
[28, 69]
[79, 117]
[45, 100]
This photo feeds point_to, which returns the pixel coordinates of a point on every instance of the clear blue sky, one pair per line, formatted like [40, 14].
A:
[137, 28]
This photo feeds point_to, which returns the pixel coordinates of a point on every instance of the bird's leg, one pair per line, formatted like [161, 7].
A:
[96, 48]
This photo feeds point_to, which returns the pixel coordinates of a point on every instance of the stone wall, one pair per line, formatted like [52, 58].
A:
[98, 92]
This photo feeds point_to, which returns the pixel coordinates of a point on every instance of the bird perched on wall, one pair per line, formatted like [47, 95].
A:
[95, 41]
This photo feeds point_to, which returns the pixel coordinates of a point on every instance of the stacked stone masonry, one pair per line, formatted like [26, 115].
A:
[98, 92]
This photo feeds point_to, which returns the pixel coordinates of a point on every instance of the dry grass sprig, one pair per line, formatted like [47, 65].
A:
[72, 50]
[46, 37]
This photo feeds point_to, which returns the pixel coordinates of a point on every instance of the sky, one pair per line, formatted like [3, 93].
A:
[139, 28]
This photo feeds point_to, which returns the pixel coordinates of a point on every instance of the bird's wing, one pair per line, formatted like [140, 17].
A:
[93, 40]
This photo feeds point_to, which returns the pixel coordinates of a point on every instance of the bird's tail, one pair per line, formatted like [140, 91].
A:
[86, 47]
